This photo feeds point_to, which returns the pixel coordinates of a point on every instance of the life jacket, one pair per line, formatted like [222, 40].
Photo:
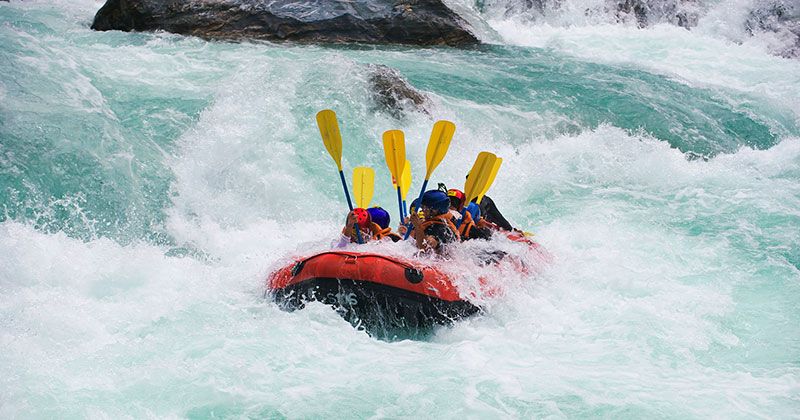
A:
[442, 219]
[466, 225]
[373, 232]
[380, 233]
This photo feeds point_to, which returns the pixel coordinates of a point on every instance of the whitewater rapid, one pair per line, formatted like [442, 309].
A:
[150, 182]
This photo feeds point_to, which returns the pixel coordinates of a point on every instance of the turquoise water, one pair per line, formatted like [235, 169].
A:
[150, 182]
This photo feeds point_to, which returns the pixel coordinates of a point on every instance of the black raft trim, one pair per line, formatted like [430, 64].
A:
[371, 303]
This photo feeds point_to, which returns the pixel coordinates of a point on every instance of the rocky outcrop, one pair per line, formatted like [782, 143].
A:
[418, 22]
[392, 93]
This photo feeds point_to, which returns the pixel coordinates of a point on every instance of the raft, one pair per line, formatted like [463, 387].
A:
[373, 291]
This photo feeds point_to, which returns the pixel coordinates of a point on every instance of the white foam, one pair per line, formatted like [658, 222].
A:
[640, 312]
[687, 56]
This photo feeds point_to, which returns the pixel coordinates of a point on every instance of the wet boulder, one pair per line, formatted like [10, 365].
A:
[392, 93]
[417, 22]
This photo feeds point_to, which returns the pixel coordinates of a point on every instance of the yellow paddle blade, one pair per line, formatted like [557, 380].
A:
[394, 148]
[329, 130]
[363, 185]
[441, 136]
[478, 175]
[405, 180]
[490, 181]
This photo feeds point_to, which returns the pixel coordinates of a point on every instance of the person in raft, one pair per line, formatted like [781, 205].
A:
[373, 224]
[466, 218]
[492, 215]
[434, 229]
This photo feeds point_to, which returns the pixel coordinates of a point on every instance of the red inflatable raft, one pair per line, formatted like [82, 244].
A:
[371, 290]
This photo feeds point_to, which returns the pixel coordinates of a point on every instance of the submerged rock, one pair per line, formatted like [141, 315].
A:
[419, 22]
[392, 92]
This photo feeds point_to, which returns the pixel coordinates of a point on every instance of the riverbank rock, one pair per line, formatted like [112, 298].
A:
[417, 22]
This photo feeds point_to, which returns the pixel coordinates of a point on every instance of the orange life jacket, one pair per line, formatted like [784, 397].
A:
[379, 233]
[466, 225]
[374, 232]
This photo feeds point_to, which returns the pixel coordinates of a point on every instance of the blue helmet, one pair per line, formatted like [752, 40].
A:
[437, 200]
[414, 205]
[379, 216]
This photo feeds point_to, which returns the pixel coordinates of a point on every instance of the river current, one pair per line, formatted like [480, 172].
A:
[149, 182]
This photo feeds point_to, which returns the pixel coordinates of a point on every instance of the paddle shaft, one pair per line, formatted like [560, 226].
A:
[350, 204]
[419, 204]
[400, 202]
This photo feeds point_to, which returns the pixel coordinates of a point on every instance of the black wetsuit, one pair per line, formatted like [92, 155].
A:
[490, 213]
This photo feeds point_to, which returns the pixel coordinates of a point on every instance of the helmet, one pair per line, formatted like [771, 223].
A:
[379, 216]
[362, 217]
[436, 200]
[456, 198]
[414, 205]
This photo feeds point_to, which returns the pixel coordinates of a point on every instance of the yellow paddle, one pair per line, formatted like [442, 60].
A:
[332, 138]
[479, 175]
[490, 181]
[394, 149]
[405, 185]
[363, 185]
[438, 144]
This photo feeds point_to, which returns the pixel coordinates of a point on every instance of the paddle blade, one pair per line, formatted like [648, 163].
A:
[441, 136]
[490, 181]
[405, 180]
[479, 175]
[394, 149]
[363, 185]
[329, 130]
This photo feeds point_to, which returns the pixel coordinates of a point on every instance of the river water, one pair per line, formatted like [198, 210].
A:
[149, 183]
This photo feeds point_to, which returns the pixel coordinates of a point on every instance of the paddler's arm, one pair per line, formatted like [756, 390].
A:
[424, 242]
[415, 227]
[490, 212]
[348, 227]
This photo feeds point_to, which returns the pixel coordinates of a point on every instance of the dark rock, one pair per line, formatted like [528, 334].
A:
[392, 92]
[419, 22]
